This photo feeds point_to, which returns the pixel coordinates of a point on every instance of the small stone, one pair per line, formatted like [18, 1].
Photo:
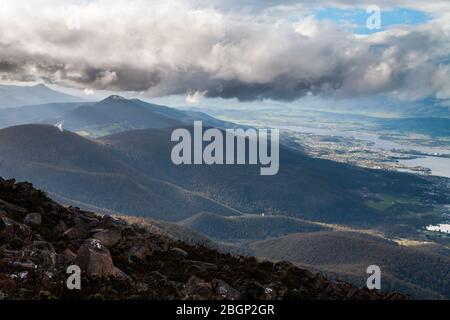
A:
[33, 219]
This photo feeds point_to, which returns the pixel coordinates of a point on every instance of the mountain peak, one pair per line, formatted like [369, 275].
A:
[115, 97]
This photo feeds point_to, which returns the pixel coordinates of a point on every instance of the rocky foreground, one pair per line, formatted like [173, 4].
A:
[40, 239]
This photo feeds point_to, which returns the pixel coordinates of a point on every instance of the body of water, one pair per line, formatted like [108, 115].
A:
[439, 166]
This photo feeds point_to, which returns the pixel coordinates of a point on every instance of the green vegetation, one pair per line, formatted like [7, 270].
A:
[384, 202]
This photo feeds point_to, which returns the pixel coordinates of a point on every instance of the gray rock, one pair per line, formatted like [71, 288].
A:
[9, 230]
[120, 275]
[77, 232]
[225, 290]
[61, 227]
[42, 245]
[202, 266]
[34, 218]
[69, 254]
[198, 289]
[180, 253]
[28, 265]
[8, 207]
[108, 222]
[108, 238]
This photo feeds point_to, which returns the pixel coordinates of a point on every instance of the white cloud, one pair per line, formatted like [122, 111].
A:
[195, 97]
[173, 47]
[88, 92]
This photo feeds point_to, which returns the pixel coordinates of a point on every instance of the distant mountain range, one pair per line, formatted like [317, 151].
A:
[114, 114]
[15, 96]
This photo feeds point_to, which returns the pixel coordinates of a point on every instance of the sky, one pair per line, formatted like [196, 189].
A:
[247, 51]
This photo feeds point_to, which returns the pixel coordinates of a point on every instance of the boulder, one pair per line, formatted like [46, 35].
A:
[10, 230]
[108, 222]
[69, 254]
[201, 266]
[198, 289]
[108, 238]
[42, 245]
[61, 227]
[139, 252]
[44, 254]
[77, 232]
[11, 208]
[179, 253]
[95, 259]
[224, 290]
[120, 275]
[34, 218]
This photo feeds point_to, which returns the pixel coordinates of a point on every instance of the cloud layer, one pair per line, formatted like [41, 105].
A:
[180, 47]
